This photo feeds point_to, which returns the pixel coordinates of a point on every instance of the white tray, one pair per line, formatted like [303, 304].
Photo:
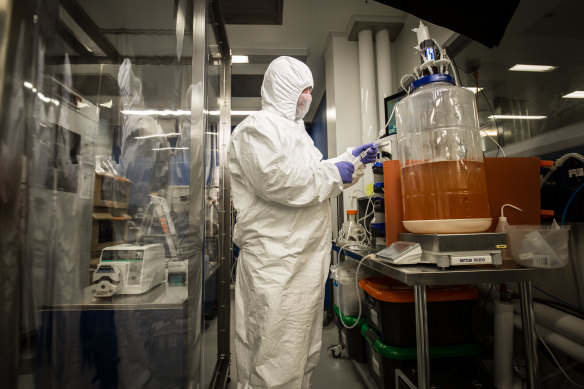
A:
[448, 226]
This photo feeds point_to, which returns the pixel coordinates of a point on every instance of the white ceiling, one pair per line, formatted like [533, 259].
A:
[304, 31]
[540, 32]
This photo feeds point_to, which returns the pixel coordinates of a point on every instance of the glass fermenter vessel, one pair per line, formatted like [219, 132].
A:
[442, 171]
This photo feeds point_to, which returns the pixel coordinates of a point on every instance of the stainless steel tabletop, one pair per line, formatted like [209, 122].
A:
[432, 275]
[161, 296]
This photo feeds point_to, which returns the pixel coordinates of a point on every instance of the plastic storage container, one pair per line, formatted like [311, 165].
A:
[391, 314]
[442, 171]
[384, 360]
[541, 246]
[345, 294]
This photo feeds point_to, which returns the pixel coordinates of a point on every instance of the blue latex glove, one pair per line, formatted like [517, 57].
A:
[371, 155]
[346, 170]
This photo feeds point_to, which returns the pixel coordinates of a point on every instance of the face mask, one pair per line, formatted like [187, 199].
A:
[303, 105]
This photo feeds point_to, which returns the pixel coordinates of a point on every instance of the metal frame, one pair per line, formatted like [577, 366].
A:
[420, 276]
[91, 29]
[220, 376]
[221, 372]
[196, 192]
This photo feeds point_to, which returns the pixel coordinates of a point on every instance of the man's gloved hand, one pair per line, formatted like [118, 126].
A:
[371, 155]
[346, 170]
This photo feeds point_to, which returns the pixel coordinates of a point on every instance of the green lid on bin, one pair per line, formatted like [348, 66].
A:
[410, 353]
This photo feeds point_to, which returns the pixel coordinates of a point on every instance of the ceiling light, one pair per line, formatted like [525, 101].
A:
[169, 135]
[168, 112]
[154, 112]
[527, 117]
[43, 98]
[28, 85]
[107, 104]
[533, 68]
[233, 113]
[239, 59]
[170, 148]
[82, 105]
[577, 94]
[473, 89]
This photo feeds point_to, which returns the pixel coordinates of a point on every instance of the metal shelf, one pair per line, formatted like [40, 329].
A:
[420, 276]
[432, 275]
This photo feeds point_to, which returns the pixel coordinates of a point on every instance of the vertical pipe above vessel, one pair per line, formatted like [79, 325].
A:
[384, 81]
[368, 93]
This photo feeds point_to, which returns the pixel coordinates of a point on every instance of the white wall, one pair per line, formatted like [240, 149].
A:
[342, 104]
[343, 89]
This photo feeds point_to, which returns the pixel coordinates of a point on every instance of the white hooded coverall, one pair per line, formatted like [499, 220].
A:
[280, 187]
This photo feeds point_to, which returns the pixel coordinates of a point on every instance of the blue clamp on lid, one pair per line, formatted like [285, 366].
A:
[378, 185]
[378, 164]
[430, 79]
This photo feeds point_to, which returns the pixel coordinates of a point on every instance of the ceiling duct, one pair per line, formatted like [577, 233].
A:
[483, 21]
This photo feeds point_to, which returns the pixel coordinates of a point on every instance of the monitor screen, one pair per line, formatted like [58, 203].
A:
[389, 104]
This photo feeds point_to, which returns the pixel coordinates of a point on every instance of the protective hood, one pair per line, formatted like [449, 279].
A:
[284, 80]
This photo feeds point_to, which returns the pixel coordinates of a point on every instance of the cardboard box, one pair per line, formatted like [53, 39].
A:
[111, 191]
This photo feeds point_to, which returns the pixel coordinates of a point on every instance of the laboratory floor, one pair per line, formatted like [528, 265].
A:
[330, 372]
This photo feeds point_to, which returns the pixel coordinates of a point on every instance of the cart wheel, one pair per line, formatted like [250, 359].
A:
[336, 353]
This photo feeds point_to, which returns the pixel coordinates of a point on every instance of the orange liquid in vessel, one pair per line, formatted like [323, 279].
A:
[445, 190]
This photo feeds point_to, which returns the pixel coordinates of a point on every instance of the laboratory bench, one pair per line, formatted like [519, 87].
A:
[419, 276]
[129, 340]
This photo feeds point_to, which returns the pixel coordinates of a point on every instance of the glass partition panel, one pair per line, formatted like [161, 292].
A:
[517, 103]
[106, 114]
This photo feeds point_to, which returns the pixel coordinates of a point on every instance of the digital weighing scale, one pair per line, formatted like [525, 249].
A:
[447, 250]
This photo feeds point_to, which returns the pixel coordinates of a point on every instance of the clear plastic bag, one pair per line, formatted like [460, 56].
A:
[540, 246]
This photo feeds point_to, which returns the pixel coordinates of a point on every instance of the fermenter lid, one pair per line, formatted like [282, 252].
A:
[431, 78]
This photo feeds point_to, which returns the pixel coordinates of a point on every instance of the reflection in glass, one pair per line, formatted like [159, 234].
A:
[100, 121]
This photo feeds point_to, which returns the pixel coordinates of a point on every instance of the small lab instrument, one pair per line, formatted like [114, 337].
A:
[447, 250]
[401, 253]
[128, 269]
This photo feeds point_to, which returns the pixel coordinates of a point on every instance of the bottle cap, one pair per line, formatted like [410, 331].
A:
[351, 211]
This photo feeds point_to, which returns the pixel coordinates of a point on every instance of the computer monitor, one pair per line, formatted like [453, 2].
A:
[389, 104]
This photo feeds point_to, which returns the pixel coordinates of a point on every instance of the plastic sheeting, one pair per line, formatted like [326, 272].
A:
[93, 127]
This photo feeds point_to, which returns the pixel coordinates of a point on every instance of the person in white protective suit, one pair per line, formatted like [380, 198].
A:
[281, 188]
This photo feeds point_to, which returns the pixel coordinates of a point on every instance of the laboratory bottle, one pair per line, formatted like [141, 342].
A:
[503, 226]
[442, 170]
[352, 232]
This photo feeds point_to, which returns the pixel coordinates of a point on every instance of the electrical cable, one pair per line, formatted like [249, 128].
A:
[569, 202]
[451, 58]
[558, 299]
[556, 361]
[401, 81]
[492, 113]
[558, 163]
